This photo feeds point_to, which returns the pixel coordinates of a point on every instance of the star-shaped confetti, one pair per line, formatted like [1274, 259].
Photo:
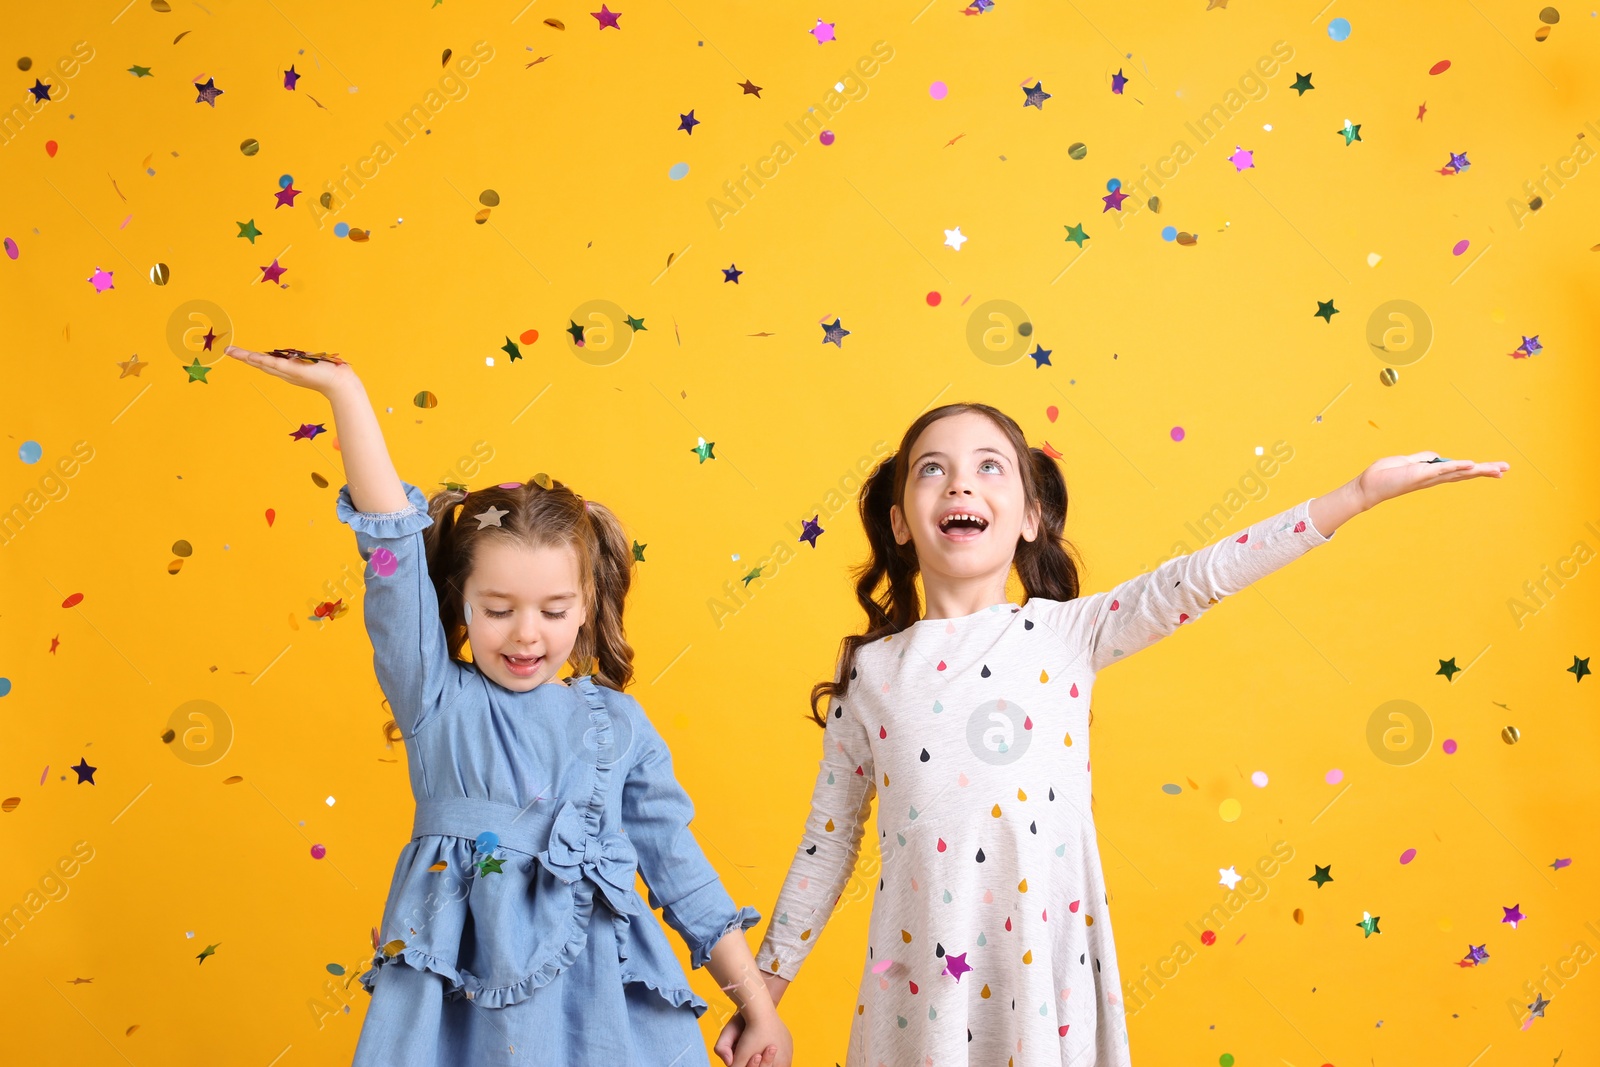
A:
[688, 122]
[285, 198]
[1302, 82]
[197, 373]
[1322, 875]
[956, 966]
[1536, 1009]
[140, 72]
[750, 88]
[131, 366]
[638, 552]
[1242, 159]
[493, 864]
[1230, 876]
[491, 517]
[1113, 199]
[576, 331]
[248, 229]
[1351, 133]
[731, 273]
[1076, 235]
[1036, 96]
[1458, 162]
[40, 90]
[55, 643]
[1118, 81]
[1560, 863]
[290, 77]
[308, 431]
[208, 339]
[752, 576]
[85, 772]
[272, 273]
[1040, 356]
[703, 449]
[1448, 668]
[954, 238]
[978, 7]
[209, 950]
[208, 92]
[822, 31]
[1325, 311]
[1369, 925]
[634, 324]
[834, 333]
[607, 17]
[1580, 667]
[101, 280]
[1422, 109]
[1513, 915]
[1477, 953]
[510, 348]
[810, 531]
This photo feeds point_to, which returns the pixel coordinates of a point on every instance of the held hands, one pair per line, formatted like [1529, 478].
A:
[767, 1039]
[1396, 475]
[325, 376]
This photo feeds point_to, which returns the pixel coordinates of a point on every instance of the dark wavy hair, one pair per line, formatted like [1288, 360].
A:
[540, 517]
[1046, 565]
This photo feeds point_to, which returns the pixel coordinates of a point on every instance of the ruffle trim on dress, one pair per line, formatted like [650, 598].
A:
[743, 919]
[677, 996]
[386, 524]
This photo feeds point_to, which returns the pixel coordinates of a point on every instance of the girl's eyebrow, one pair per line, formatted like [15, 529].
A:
[983, 448]
[508, 596]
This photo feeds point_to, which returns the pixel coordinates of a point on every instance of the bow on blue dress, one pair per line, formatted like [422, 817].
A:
[607, 860]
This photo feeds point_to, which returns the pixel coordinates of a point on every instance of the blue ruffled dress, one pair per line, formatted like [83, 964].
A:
[551, 958]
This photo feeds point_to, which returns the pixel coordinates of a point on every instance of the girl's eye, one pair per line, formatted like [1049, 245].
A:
[498, 614]
[991, 463]
[925, 466]
[556, 614]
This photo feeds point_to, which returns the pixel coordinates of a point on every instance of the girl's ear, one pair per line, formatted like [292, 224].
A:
[897, 523]
[1030, 524]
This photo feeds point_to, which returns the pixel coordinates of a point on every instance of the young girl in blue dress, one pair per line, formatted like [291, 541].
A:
[513, 933]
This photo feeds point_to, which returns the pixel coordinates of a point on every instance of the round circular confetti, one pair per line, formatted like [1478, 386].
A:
[1408, 855]
[1226, 1059]
[249, 146]
[77, 598]
[1169, 233]
[384, 562]
[527, 337]
[1460, 247]
[1177, 433]
[1388, 376]
[341, 229]
[24, 63]
[488, 841]
[10, 804]
[1511, 735]
[1334, 777]
[175, 566]
[1549, 16]
[1339, 29]
[285, 180]
[50, 148]
[318, 480]
[1439, 67]
[1230, 810]
[1209, 937]
[425, 399]
[1449, 746]
[677, 171]
[542, 480]
[5, 687]
[1051, 412]
[1113, 185]
[159, 274]
[1172, 790]
[1259, 779]
[11, 248]
[30, 452]
[826, 137]
[1077, 150]
[933, 299]
[1025, 329]
[317, 852]
[335, 968]
[1155, 204]
[938, 90]
[489, 198]
[182, 548]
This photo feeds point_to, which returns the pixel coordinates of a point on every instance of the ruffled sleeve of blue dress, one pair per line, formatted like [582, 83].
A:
[503, 883]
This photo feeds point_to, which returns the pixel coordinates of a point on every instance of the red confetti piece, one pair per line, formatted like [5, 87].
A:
[1052, 413]
[933, 299]
[72, 601]
[1051, 452]
[1439, 67]
[50, 149]
[527, 337]
[270, 516]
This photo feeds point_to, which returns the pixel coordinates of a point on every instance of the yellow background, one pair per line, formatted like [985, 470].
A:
[1218, 337]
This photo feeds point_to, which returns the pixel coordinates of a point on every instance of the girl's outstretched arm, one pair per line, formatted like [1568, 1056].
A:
[374, 485]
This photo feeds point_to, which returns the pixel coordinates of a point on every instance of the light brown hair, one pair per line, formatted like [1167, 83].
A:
[539, 517]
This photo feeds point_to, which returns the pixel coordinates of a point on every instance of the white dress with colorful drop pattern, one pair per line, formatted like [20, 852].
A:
[990, 936]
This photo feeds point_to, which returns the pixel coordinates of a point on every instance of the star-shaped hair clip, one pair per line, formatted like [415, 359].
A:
[306, 357]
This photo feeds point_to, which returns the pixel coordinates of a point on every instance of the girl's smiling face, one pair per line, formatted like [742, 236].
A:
[524, 606]
[963, 506]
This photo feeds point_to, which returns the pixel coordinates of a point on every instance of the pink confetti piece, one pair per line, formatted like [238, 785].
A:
[125, 222]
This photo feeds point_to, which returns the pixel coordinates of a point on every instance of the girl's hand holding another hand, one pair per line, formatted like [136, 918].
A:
[765, 1042]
